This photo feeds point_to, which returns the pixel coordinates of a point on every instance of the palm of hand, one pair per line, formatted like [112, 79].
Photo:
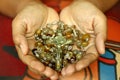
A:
[88, 19]
[24, 26]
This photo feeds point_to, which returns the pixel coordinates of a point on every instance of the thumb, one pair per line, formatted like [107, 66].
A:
[18, 32]
[101, 33]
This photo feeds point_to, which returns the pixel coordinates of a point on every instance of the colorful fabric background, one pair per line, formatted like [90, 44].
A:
[11, 68]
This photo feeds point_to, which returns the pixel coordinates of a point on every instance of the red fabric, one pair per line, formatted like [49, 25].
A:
[114, 13]
[9, 65]
[53, 4]
[114, 23]
[113, 30]
[12, 66]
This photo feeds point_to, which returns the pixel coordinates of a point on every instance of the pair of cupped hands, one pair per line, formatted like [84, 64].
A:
[87, 18]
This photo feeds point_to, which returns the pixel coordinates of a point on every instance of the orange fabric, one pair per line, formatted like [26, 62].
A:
[58, 5]
[64, 3]
[113, 30]
[17, 68]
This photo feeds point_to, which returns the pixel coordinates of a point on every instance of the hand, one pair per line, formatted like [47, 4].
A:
[88, 19]
[28, 20]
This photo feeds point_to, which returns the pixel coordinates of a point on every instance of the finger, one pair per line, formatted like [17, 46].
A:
[36, 66]
[101, 33]
[48, 71]
[66, 17]
[68, 70]
[51, 73]
[31, 61]
[100, 43]
[18, 31]
[55, 76]
[52, 17]
[63, 73]
[90, 56]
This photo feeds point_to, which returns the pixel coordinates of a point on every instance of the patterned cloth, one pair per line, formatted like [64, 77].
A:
[11, 68]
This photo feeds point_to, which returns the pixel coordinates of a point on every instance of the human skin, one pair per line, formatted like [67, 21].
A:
[29, 15]
[88, 16]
